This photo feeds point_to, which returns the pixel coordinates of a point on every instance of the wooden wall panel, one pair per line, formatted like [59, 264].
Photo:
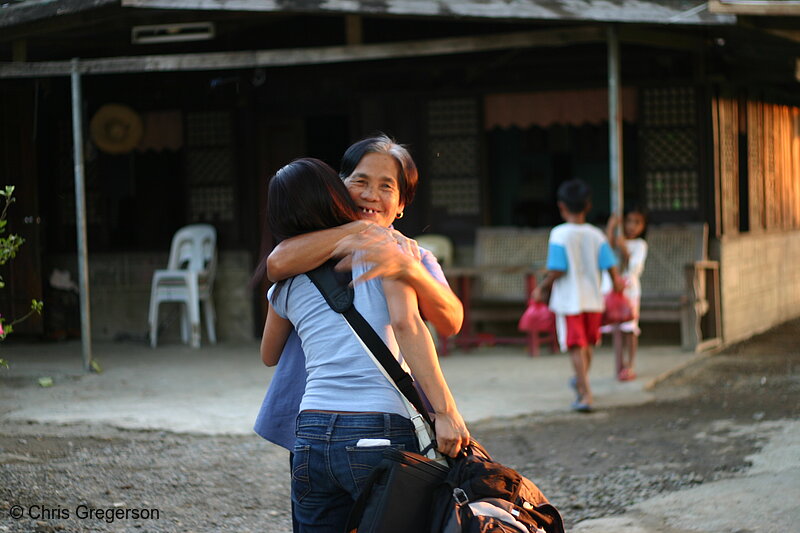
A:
[795, 167]
[771, 197]
[755, 164]
[789, 204]
[779, 168]
[773, 165]
[781, 171]
[729, 164]
[717, 170]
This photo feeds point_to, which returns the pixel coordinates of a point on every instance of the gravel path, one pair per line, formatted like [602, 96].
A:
[588, 465]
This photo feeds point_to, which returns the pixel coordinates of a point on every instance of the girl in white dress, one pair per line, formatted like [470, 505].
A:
[632, 250]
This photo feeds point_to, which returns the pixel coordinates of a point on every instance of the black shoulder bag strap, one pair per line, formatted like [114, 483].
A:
[340, 297]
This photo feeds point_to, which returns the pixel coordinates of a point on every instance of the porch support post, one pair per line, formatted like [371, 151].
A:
[80, 215]
[614, 124]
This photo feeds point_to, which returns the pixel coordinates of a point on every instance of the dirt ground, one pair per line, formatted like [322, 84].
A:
[589, 465]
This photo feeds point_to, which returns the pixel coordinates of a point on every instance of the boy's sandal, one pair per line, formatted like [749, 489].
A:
[626, 374]
[573, 383]
[581, 407]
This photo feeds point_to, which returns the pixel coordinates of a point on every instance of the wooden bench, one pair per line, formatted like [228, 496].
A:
[506, 249]
[679, 283]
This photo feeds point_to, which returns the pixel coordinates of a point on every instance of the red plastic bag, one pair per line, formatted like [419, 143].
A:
[537, 317]
[618, 309]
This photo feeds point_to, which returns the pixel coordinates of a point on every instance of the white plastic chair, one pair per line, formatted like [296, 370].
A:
[189, 279]
[439, 245]
[442, 248]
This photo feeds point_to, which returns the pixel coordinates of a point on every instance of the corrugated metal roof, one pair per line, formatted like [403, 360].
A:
[658, 11]
[649, 11]
[25, 11]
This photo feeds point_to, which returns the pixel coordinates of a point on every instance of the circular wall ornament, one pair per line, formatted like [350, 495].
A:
[116, 128]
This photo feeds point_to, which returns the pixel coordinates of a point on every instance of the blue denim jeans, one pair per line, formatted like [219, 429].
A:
[329, 468]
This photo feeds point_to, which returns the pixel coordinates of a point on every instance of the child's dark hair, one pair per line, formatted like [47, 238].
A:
[575, 194]
[307, 195]
[637, 208]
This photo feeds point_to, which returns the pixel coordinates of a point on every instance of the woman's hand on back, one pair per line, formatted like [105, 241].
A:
[391, 254]
[383, 251]
[408, 246]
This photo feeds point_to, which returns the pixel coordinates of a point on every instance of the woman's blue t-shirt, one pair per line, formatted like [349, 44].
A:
[276, 418]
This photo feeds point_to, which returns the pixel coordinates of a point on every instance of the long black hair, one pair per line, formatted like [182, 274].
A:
[307, 195]
[407, 175]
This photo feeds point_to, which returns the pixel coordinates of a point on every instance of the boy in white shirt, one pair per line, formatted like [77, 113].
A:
[576, 257]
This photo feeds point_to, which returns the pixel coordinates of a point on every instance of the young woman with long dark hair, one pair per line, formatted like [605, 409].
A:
[346, 399]
[381, 179]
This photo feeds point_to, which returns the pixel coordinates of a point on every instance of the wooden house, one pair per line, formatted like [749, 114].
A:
[499, 102]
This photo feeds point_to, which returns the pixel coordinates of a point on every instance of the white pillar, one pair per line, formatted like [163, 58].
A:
[80, 215]
[614, 123]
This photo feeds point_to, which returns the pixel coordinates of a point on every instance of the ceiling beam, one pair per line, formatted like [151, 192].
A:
[309, 56]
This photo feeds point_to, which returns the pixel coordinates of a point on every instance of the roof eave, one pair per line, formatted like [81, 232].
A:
[626, 11]
[30, 11]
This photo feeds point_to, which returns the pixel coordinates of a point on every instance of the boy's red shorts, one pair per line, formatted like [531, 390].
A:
[581, 330]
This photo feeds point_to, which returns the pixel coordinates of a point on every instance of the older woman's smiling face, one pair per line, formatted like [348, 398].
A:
[374, 187]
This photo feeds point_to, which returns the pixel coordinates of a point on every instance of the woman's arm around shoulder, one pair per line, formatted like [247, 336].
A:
[302, 253]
